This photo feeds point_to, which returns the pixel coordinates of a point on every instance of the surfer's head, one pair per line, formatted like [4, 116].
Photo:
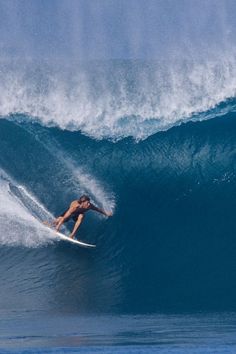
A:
[85, 201]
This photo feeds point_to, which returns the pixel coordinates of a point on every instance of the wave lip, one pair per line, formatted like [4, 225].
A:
[118, 99]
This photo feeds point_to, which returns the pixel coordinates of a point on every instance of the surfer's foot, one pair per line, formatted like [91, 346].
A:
[46, 223]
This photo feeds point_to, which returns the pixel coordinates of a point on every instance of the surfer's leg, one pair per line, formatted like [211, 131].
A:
[47, 223]
[77, 225]
[56, 221]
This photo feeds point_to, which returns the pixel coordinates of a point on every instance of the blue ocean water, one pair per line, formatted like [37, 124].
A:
[162, 276]
[44, 333]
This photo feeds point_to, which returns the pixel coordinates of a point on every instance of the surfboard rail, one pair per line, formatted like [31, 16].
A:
[63, 237]
[77, 242]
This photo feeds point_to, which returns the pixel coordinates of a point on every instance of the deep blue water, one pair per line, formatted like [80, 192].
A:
[50, 333]
[162, 277]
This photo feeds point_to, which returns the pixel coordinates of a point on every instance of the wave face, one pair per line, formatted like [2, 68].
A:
[170, 244]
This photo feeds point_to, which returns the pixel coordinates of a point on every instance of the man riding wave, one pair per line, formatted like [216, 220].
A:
[76, 212]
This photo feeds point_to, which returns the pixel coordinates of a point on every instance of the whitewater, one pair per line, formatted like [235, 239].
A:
[117, 99]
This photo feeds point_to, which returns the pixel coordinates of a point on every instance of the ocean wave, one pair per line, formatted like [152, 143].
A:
[114, 99]
[174, 214]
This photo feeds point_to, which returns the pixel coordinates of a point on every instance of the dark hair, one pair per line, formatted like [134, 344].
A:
[84, 198]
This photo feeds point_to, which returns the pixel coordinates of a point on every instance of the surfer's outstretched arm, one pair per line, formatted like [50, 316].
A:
[101, 211]
[77, 225]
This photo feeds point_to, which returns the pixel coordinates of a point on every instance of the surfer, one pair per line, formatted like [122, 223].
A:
[76, 212]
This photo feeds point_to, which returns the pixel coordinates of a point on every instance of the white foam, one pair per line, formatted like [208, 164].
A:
[94, 188]
[17, 226]
[122, 101]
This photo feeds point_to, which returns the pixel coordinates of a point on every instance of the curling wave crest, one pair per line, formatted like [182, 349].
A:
[116, 99]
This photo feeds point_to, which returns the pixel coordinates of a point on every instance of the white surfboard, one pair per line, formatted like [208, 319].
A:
[77, 242]
[71, 240]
